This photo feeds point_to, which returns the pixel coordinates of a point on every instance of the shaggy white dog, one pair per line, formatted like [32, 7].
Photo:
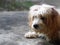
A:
[44, 22]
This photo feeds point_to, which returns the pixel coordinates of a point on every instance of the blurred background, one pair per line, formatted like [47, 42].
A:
[14, 21]
[18, 5]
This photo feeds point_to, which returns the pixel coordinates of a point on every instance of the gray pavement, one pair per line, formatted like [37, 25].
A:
[13, 26]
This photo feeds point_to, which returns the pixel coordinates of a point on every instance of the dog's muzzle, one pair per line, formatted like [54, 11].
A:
[38, 27]
[37, 24]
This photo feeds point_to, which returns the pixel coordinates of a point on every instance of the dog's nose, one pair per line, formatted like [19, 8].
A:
[36, 26]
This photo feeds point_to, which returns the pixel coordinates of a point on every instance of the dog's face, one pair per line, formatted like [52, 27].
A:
[39, 16]
[38, 22]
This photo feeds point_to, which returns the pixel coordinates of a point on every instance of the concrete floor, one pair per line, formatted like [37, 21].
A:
[13, 26]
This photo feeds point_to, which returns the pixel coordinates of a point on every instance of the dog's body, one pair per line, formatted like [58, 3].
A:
[44, 21]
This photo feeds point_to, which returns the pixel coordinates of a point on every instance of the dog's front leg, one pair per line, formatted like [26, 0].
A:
[31, 34]
[43, 36]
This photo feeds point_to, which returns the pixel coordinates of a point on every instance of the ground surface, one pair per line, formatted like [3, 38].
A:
[13, 26]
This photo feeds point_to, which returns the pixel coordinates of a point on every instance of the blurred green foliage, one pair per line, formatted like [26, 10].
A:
[27, 4]
[15, 5]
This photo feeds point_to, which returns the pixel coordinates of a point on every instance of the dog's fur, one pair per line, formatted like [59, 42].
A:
[48, 20]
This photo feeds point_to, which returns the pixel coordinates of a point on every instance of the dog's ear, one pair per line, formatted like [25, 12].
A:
[52, 20]
[54, 13]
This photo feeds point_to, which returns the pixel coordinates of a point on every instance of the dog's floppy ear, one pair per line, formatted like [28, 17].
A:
[54, 13]
[52, 19]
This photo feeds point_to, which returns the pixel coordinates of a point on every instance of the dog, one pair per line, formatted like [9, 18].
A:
[44, 21]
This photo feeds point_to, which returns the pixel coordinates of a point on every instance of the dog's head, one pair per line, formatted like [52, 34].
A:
[42, 16]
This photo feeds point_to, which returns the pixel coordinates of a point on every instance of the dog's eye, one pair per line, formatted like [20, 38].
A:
[34, 16]
[36, 10]
[43, 18]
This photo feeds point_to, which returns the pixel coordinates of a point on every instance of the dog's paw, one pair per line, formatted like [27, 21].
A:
[43, 36]
[30, 35]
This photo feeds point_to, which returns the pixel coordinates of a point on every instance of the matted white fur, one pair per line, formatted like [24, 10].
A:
[40, 9]
[30, 34]
[37, 10]
[34, 35]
